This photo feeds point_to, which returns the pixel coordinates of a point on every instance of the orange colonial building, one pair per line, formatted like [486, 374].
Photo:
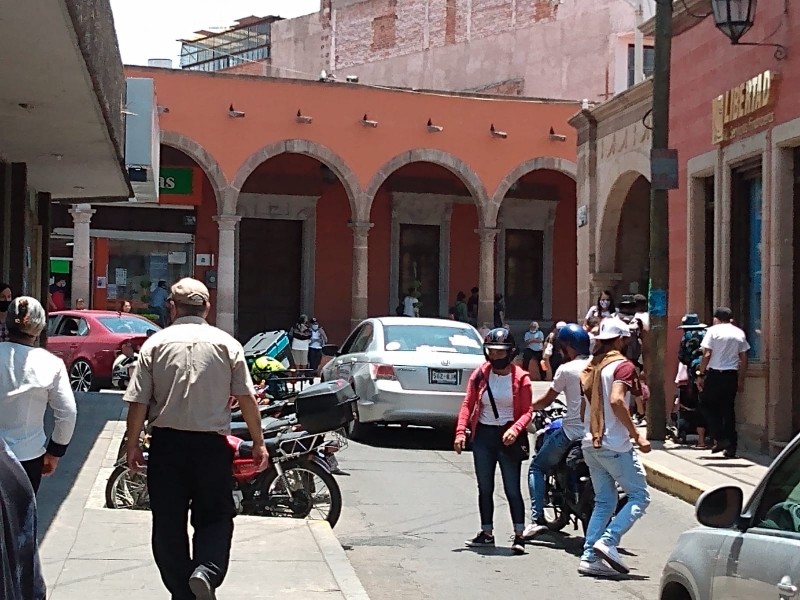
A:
[333, 215]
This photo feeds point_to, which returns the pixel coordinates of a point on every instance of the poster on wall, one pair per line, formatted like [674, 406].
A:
[122, 277]
[111, 291]
[176, 258]
[101, 283]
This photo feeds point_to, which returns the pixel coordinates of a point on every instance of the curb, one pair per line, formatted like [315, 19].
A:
[343, 572]
[672, 482]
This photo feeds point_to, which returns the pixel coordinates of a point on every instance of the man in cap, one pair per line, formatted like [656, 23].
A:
[608, 450]
[720, 376]
[184, 379]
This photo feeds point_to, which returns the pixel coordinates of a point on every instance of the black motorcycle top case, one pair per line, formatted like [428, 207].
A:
[325, 406]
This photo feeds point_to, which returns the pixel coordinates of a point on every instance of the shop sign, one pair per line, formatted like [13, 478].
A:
[175, 181]
[740, 110]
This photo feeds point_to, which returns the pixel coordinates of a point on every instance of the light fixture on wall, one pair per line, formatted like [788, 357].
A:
[328, 176]
[162, 109]
[557, 137]
[497, 133]
[301, 118]
[434, 128]
[734, 18]
[366, 122]
[235, 114]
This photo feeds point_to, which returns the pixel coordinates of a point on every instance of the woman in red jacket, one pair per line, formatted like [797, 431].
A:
[497, 411]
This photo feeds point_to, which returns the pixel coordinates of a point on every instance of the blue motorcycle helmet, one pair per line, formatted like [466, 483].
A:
[574, 336]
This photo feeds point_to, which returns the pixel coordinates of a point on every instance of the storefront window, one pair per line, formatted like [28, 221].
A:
[753, 326]
[135, 268]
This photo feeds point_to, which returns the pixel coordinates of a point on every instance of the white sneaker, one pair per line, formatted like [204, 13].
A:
[611, 555]
[597, 568]
[533, 531]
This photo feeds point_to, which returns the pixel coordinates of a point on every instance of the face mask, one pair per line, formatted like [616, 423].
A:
[4, 304]
[315, 327]
[605, 303]
[500, 363]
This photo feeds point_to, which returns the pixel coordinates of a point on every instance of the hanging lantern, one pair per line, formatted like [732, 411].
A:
[734, 18]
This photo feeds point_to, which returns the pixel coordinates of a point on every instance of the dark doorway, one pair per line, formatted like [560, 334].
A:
[708, 267]
[796, 298]
[270, 255]
[419, 262]
[524, 274]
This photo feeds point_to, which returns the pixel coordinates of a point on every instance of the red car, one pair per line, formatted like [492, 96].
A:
[88, 341]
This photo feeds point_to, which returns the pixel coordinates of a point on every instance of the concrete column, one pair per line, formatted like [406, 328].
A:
[226, 272]
[486, 275]
[360, 291]
[81, 271]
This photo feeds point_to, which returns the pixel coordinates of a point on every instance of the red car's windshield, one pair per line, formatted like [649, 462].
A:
[126, 324]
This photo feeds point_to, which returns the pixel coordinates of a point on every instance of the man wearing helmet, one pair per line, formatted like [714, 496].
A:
[497, 410]
[574, 345]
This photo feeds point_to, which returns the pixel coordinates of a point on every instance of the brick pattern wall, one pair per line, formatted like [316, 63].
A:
[379, 29]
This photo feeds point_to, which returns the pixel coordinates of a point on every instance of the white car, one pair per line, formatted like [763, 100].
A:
[742, 552]
[406, 370]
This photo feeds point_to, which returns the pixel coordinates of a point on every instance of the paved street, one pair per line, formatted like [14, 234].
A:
[411, 502]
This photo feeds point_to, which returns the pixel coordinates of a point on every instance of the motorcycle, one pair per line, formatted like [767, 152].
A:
[298, 481]
[569, 493]
[123, 366]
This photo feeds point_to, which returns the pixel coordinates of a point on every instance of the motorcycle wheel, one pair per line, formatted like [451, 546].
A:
[556, 516]
[126, 489]
[312, 493]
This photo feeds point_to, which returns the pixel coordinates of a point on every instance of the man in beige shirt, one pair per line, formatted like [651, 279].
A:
[184, 379]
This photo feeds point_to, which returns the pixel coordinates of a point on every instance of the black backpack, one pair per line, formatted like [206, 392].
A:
[633, 349]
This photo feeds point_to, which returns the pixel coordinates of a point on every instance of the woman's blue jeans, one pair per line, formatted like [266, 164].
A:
[607, 468]
[487, 451]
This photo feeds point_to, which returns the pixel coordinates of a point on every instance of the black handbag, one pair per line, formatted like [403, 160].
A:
[520, 450]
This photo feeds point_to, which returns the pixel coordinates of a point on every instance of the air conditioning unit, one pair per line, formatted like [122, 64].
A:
[142, 139]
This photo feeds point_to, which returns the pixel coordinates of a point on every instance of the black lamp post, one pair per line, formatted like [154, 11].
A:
[734, 18]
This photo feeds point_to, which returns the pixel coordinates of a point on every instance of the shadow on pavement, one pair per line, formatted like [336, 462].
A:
[409, 438]
[95, 411]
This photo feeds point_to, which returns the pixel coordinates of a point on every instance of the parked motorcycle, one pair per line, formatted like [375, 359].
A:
[124, 364]
[298, 481]
[569, 493]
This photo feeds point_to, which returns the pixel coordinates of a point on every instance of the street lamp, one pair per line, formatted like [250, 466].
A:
[734, 18]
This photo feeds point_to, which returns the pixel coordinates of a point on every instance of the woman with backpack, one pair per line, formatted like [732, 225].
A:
[497, 411]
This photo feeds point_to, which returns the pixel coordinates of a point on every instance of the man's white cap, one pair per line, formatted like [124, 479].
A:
[612, 327]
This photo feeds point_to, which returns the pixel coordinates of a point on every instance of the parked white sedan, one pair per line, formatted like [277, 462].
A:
[406, 370]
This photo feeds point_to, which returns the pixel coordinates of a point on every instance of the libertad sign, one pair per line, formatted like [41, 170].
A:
[740, 110]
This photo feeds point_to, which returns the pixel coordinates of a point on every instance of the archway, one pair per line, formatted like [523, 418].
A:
[535, 210]
[624, 236]
[295, 250]
[202, 158]
[425, 206]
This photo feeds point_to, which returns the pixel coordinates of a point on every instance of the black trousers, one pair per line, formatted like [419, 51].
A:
[314, 358]
[718, 403]
[536, 355]
[33, 469]
[194, 469]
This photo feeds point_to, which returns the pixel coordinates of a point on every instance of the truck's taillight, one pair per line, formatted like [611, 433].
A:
[383, 372]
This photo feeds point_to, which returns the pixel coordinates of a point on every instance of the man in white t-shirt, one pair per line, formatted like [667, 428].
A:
[410, 304]
[575, 347]
[608, 451]
[720, 375]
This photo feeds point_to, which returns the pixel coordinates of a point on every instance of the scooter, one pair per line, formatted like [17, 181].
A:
[122, 369]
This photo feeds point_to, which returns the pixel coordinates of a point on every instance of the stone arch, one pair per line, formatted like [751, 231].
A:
[455, 165]
[610, 218]
[203, 158]
[323, 154]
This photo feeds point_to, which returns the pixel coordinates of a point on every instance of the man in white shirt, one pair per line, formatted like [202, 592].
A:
[720, 376]
[574, 342]
[410, 304]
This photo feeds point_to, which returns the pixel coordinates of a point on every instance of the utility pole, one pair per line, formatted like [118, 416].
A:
[662, 168]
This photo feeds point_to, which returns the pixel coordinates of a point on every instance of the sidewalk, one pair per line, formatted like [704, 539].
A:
[686, 472]
[91, 553]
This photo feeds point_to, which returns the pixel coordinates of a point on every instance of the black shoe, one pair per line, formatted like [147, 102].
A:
[719, 447]
[730, 453]
[481, 540]
[200, 585]
[518, 546]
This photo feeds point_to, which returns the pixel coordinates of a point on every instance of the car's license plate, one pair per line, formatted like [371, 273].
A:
[333, 463]
[442, 377]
